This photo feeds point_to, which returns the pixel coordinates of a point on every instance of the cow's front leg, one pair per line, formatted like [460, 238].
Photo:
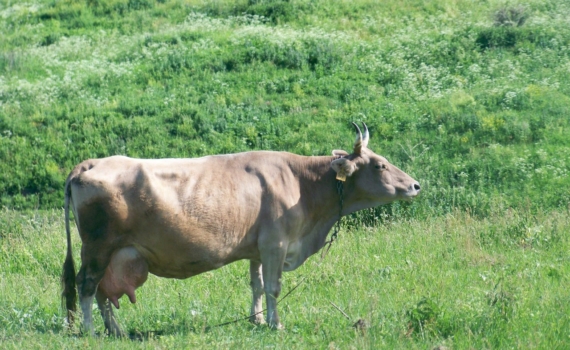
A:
[272, 260]
[257, 291]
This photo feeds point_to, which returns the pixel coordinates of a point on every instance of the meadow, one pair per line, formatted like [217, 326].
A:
[453, 281]
[469, 97]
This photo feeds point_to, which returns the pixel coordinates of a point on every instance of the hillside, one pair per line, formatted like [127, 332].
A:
[470, 98]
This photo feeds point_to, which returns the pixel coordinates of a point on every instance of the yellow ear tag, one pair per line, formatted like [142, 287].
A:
[341, 175]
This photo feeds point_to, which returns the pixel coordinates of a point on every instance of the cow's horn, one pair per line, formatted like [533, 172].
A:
[358, 142]
[366, 136]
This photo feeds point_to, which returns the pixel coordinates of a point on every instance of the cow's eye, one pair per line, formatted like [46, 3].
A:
[380, 166]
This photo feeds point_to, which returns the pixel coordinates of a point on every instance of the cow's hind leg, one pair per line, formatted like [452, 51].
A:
[87, 281]
[94, 261]
[106, 309]
[257, 291]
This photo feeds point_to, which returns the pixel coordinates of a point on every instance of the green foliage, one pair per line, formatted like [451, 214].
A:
[454, 280]
[423, 316]
[514, 37]
[475, 111]
[511, 16]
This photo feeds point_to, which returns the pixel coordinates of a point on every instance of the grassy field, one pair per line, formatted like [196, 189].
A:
[471, 98]
[475, 108]
[455, 280]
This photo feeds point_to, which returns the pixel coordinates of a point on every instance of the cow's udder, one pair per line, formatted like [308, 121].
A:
[127, 271]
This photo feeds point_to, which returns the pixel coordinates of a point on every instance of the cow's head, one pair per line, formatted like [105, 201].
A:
[375, 181]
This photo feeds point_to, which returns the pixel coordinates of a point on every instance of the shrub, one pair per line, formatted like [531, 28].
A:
[513, 16]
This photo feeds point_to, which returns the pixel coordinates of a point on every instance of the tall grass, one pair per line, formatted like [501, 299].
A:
[455, 280]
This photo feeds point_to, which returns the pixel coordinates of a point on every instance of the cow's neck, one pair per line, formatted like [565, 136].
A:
[321, 199]
[319, 187]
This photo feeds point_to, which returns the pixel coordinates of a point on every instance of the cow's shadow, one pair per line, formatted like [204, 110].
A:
[145, 335]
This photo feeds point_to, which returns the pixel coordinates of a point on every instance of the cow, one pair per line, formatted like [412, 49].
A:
[178, 218]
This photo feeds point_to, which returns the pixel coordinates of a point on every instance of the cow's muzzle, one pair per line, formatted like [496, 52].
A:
[413, 190]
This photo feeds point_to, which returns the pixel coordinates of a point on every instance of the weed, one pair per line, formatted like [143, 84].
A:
[511, 16]
[501, 301]
[423, 316]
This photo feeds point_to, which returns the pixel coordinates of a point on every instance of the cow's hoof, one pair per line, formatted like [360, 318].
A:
[88, 332]
[257, 319]
[278, 327]
[117, 333]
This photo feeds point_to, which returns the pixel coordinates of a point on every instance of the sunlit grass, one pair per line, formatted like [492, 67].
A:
[454, 280]
[445, 94]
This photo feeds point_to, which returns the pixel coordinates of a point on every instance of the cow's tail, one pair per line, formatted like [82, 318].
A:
[69, 294]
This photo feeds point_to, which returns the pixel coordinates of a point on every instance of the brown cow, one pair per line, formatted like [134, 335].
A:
[181, 217]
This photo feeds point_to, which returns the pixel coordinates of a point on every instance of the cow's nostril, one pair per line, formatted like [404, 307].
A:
[417, 187]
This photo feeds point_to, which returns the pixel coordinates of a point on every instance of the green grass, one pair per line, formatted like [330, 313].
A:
[470, 98]
[475, 110]
[454, 280]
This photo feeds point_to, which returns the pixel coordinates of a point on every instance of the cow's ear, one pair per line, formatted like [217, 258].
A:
[343, 168]
[339, 153]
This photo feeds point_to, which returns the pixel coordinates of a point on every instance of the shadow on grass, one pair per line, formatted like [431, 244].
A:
[182, 329]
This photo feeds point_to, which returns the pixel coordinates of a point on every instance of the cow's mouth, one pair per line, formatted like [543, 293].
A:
[411, 194]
